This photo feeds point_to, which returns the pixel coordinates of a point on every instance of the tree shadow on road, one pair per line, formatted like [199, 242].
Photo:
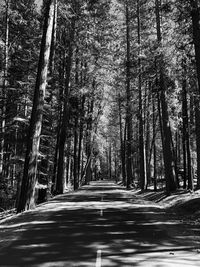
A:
[69, 231]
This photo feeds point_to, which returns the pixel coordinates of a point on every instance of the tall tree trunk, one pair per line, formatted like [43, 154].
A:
[59, 93]
[5, 84]
[81, 119]
[88, 170]
[52, 174]
[55, 163]
[69, 163]
[81, 123]
[154, 146]
[116, 169]
[53, 40]
[167, 149]
[128, 108]
[186, 140]
[147, 134]
[76, 178]
[143, 176]
[122, 148]
[60, 182]
[196, 38]
[26, 200]
[197, 130]
[76, 120]
[184, 158]
[110, 161]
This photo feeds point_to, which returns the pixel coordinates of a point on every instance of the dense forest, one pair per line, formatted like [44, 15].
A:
[97, 89]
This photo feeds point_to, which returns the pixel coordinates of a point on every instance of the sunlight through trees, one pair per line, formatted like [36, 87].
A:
[94, 90]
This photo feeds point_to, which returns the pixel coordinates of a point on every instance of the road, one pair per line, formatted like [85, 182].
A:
[101, 225]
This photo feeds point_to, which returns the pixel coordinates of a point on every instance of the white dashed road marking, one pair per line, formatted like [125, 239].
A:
[98, 260]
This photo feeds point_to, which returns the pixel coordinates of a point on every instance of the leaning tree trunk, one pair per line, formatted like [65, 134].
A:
[27, 200]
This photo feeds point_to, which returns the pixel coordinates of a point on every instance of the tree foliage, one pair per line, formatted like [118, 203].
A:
[121, 98]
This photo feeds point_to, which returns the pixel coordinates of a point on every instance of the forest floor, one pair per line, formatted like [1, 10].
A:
[185, 203]
[104, 225]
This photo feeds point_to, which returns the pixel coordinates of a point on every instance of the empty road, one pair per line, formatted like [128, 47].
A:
[100, 225]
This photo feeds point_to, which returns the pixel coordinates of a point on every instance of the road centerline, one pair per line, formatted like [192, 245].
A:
[98, 259]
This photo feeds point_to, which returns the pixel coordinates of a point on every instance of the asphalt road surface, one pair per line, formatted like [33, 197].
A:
[101, 225]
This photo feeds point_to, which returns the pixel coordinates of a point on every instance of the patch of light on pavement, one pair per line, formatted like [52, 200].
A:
[25, 224]
[33, 246]
[159, 223]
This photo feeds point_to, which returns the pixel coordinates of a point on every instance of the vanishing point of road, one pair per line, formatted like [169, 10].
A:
[100, 225]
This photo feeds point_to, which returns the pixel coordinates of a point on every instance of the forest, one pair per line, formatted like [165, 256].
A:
[97, 89]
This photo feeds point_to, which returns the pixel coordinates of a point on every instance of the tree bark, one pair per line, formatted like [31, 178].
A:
[5, 84]
[196, 38]
[26, 200]
[154, 146]
[122, 150]
[143, 176]
[76, 177]
[186, 139]
[167, 149]
[88, 171]
[81, 123]
[128, 103]
[110, 161]
[60, 182]
[53, 39]
[197, 130]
